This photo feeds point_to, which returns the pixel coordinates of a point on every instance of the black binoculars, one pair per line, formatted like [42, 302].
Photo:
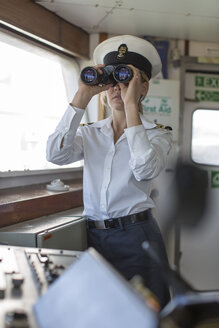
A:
[111, 74]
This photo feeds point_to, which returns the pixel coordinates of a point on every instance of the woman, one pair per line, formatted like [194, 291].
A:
[122, 154]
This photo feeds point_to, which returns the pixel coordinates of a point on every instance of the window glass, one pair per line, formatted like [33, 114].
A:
[205, 136]
[33, 90]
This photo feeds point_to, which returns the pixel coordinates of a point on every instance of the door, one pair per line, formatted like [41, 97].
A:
[199, 247]
[162, 106]
[70, 235]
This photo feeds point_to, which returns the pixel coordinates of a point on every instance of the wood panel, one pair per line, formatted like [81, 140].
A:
[101, 106]
[37, 20]
[71, 40]
[101, 109]
[102, 37]
[25, 203]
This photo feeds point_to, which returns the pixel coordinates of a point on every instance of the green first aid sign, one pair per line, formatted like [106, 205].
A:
[207, 81]
[215, 179]
[158, 105]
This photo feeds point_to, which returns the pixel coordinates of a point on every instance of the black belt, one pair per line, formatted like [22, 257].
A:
[118, 222]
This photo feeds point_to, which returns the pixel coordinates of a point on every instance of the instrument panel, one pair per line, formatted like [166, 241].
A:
[25, 274]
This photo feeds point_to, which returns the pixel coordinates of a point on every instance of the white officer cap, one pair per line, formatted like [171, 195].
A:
[129, 49]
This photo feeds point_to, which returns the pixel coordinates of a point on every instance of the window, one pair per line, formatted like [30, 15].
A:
[34, 88]
[205, 136]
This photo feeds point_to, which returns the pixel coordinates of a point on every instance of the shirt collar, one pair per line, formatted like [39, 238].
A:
[146, 123]
[106, 124]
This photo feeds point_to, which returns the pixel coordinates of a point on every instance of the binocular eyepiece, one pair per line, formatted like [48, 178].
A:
[111, 74]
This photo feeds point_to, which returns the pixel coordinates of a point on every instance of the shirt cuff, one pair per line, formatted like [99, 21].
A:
[71, 119]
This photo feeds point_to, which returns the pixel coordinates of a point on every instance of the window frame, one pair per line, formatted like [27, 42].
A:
[13, 179]
[192, 134]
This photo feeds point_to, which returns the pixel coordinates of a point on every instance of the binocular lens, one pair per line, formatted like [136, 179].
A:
[122, 73]
[89, 75]
[110, 74]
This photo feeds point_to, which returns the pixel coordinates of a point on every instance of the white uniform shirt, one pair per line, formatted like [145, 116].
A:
[117, 177]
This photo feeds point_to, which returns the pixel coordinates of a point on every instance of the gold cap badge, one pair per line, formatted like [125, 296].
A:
[122, 50]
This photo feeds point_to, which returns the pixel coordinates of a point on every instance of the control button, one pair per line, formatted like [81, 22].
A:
[16, 319]
[17, 280]
[2, 284]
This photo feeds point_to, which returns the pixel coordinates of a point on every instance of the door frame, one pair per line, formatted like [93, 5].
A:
[188, 64]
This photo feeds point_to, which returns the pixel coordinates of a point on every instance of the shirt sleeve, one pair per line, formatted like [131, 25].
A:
[65, 145]
[148, 151]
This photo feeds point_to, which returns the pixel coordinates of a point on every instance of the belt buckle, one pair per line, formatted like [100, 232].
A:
[133, 218]
[100, 224]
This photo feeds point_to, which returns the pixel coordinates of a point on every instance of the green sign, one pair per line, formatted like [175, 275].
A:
[215, 179]
[158, 105]
[204, 95]
[207, 81]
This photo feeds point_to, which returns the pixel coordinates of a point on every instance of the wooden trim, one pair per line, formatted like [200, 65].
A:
[102, 37]
[25, 203]
[101, 106]
[101, 109]
[73, 39]
[186, 51]
[40, 22]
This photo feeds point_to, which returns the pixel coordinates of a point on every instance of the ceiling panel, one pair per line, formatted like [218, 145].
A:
[179, 19]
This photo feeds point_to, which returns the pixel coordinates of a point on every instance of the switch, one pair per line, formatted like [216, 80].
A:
[16, 319]
[17, 280]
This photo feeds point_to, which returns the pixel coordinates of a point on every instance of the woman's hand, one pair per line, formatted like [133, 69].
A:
[132, 92]
[131, 95]
[85, 92]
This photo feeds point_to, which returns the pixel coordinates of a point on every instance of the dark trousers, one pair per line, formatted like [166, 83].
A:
[122, 247]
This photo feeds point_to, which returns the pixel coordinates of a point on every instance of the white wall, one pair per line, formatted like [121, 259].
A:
[176, 48]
